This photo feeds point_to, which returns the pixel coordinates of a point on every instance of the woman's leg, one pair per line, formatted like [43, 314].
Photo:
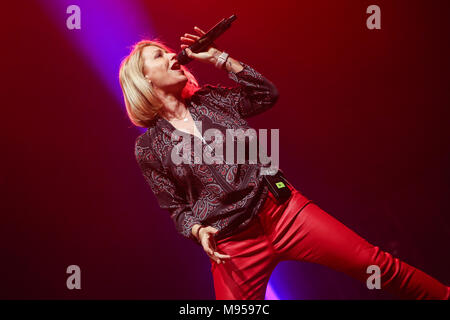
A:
[245, 276]
[312, 235]
[253, 258]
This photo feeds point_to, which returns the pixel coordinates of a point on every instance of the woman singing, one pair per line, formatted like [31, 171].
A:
[227, 208]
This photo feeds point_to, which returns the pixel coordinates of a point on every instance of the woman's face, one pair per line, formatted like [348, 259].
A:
[162, 69]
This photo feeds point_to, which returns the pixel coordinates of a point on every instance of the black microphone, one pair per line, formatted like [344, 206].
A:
[206, 40]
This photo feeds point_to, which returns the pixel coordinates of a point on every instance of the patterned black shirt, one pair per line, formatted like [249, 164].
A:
[225, 196]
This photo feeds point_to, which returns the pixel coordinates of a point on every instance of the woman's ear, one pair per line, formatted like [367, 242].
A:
[149, 81]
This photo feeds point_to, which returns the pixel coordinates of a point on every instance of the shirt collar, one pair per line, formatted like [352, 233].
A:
[164, 126]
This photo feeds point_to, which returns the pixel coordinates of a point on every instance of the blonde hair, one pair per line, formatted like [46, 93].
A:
[140, 99]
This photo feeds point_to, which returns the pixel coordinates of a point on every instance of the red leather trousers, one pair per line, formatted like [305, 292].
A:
[300, 230]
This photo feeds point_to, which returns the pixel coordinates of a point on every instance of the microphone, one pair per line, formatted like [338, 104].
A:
[206, 40]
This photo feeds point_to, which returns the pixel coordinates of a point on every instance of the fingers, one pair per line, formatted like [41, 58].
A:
[222, 256]
[209, 245]
[191, 36]
[191, 54]
[219, 257]
[205, 239]
[187, 40]
[200, 31]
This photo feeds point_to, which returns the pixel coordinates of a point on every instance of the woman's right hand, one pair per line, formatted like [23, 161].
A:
[206, 239]
[209, 56]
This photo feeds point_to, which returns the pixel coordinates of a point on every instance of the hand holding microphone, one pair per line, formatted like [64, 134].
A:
[202, 47]
[209, 56]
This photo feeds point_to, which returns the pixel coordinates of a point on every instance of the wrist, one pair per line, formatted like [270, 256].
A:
[216, 53]
[196, 231]
[221, 60]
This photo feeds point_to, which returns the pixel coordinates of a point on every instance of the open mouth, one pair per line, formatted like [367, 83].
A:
[176, 66]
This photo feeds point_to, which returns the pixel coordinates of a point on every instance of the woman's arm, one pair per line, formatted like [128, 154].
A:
[170, 198]
[168, 195]
[231, 65]
[255, 93]
[195, 230]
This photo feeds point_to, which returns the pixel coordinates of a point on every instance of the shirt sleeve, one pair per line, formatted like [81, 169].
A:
[167, 193]
[253, 95]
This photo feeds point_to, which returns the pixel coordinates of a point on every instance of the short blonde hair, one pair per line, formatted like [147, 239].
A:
[141, 102]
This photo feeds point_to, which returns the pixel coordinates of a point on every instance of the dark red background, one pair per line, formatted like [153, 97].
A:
[364, 128]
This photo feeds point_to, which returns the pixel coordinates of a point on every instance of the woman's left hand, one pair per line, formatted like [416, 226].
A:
[208, 56]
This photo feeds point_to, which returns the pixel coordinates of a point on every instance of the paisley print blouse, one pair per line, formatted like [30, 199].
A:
[223, 195]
